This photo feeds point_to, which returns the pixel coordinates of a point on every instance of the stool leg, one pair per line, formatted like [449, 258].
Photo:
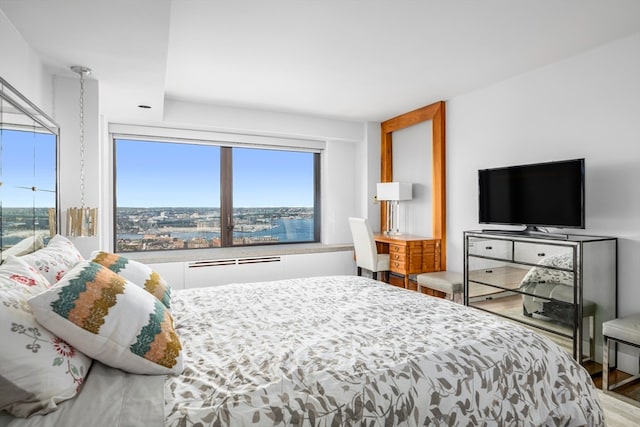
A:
[605, 364]
[458, 297]
[592, 338]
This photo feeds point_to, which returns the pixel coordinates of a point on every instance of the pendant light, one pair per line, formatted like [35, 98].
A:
[82, 221]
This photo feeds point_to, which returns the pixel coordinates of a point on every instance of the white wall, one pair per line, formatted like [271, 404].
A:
[586, 106]
[21, 67]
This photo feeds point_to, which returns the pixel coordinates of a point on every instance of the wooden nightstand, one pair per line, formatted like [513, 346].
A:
[409, 254]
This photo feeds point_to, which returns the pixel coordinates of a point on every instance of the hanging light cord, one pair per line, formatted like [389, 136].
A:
[82, 73]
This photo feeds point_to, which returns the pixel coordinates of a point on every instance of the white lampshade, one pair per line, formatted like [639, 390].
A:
[394, 190]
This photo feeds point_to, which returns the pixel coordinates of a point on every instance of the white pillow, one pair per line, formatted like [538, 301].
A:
[24, 246]
[112, 320]
[55, 259]
[38, 370]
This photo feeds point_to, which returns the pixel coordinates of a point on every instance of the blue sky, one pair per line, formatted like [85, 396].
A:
[27, 159]
[151, 174]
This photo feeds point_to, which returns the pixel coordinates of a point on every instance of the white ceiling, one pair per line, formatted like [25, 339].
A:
[350, 59]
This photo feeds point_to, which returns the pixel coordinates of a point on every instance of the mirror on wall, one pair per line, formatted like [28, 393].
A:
[28, 173]
[433, 162]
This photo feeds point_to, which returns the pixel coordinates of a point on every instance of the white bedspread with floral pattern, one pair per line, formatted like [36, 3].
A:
[342, 351]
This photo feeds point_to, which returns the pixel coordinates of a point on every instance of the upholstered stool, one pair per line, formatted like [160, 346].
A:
[625, 330]
[449, 282]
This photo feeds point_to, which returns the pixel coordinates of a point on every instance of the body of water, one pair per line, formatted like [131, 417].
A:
[285, 230]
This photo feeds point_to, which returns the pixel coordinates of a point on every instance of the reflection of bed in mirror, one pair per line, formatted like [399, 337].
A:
[28, 180]
[549, 289]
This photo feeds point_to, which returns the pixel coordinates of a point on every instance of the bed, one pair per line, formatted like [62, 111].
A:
[337, 351]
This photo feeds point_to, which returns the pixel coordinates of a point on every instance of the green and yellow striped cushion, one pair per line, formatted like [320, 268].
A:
[136, 272]
[112, 320]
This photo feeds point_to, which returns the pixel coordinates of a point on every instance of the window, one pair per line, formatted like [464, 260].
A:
[180, 195]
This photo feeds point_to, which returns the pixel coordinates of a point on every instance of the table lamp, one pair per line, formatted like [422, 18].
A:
[392, 193]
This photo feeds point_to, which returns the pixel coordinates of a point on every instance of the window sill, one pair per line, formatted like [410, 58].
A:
[156, 257]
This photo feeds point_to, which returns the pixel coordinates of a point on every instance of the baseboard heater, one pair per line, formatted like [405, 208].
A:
[233, 261]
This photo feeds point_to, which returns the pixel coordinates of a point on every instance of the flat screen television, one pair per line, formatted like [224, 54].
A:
[535, 195]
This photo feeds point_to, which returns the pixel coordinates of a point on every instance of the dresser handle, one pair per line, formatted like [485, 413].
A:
[488, 271]
[541, 254]
[489, 248]
[397, 256]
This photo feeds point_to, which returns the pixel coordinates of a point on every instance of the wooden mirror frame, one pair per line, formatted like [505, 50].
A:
[436, 113]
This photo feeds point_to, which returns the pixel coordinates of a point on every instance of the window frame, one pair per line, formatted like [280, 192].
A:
[226, 174]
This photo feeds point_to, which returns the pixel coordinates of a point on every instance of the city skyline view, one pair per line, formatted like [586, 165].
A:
[144, 229]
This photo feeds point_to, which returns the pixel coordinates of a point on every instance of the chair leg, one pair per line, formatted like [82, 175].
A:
[359, 271]
[375, 275]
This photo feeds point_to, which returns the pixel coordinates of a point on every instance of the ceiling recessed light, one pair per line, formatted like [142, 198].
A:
[146, 107]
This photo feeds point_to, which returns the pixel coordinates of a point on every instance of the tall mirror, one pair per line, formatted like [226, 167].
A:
[434, 114]
[28, 174]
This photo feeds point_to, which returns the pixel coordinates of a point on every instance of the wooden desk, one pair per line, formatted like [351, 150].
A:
[409, 254]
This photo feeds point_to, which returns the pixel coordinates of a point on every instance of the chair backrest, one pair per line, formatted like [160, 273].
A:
[364, 244]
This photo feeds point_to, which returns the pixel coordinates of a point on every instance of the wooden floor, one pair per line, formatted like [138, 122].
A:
[630, 391]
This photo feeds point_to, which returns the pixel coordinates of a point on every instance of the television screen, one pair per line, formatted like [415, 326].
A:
[542, 194]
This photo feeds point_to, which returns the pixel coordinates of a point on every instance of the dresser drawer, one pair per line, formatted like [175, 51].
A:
[552, 255]
[493, 248]
[504, 276]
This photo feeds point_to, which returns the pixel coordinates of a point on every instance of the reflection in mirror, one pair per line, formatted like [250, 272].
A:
[412, 163]
[28, 174]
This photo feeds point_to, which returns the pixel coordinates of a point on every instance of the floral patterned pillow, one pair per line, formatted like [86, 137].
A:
[55, 259]
[38, 370]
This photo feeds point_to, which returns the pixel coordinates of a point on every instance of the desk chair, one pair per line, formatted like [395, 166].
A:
[367, 255]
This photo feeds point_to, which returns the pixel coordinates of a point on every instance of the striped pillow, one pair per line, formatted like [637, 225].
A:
[111, 320]
[136, 272]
